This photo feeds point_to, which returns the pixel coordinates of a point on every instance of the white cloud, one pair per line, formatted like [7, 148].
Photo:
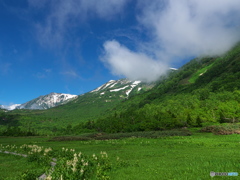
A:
[66, 14]
[193, 27]
[177, 29]
[136, 66]
[104, 8]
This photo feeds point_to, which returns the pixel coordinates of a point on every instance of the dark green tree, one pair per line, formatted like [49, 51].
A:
[189, 120]
[199, 121]
[222, 118]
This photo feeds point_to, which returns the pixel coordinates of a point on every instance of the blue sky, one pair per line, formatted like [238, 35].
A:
[74, 46]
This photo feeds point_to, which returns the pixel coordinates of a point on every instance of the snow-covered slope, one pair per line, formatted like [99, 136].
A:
[47, 101]
[113, 90]
[122, 87]
[10, 107]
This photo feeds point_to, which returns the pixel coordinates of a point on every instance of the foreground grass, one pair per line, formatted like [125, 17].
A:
[175, 157]
[14, 167]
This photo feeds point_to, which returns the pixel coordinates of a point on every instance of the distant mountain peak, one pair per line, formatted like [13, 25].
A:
[47, 101]
[10, 107]
[43, 102]
[113, 89]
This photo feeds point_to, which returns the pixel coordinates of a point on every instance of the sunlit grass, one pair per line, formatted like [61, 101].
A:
[12, 167]
[175, 157]
[200, 72]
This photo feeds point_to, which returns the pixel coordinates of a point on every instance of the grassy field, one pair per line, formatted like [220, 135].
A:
[174, 157]
[13, 167]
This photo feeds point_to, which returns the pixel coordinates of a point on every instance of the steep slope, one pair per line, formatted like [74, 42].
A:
[122, 88]
[115, 85]
[94, 103]
[203, 91]
[88, 106]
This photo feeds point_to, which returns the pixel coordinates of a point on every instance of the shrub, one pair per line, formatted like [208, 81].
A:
[222, 129]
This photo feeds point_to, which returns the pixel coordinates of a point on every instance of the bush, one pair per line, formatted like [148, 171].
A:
[222, 129]
[143, 134]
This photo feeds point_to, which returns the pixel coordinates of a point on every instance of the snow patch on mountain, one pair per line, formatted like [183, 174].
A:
[124, 86]
[97, 89]
[114, 90]
[113, 85]
[135, 83]
[109, 83]
[104, 86]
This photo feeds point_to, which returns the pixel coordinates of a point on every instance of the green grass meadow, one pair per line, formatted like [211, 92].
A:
[12, 167]
[173, 157]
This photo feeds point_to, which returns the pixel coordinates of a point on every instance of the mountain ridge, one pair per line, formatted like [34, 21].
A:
[203, 91]
[43, 102]
[49, 100]
[85, 107]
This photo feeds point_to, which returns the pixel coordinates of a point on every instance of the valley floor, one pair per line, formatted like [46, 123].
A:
[174, 157]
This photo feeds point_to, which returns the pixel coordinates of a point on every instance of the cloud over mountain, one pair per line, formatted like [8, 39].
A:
[134, 65]
[176, 30]
[193, 27]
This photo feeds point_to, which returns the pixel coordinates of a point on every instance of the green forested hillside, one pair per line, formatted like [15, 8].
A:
[203, 91]
[86, 108]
